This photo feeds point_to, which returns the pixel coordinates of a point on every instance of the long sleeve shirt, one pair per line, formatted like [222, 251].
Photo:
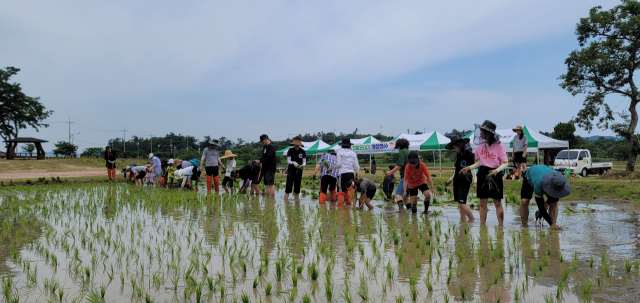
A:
[347, 161]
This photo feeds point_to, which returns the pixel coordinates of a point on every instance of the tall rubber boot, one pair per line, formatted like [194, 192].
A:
[323, 198]
[333, 196]
[414, 208]
[340, 199]
[426, 206]
[216, 182]
[347, 197]
[209, 179]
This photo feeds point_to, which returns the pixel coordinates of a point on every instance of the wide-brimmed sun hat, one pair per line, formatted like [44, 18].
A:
[488, 126]
[517, 128]
[413, 157]
[297, 141]
[150, 155]
[555, 185]
[346, 142]
[215, 142]
[228, 154]
[454, 140]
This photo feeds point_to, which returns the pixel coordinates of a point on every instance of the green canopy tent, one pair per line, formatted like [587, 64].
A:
[311, 148]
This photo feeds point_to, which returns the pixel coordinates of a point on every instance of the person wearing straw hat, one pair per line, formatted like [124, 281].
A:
[462, 183]
[297, 159]
[491, 160]
[347, 163]
[519, 154]
[541, 180]
[212, 157]
[229, 176]
[328, 180]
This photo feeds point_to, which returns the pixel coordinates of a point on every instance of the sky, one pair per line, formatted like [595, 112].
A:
[242, 68]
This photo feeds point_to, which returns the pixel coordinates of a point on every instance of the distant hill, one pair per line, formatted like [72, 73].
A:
[593, 138]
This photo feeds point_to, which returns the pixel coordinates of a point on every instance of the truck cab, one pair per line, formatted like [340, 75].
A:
[579, 161]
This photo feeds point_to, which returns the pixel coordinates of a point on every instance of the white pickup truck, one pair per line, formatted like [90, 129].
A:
[579, 162]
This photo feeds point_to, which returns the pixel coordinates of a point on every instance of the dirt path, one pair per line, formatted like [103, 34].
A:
[54, 174]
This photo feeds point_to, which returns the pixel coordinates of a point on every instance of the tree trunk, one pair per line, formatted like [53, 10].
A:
[633, 151]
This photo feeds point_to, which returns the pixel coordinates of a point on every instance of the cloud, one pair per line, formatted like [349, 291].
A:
[108, 62]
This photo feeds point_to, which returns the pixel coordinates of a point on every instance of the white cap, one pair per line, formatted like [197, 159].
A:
[150, 155]
[170, 161]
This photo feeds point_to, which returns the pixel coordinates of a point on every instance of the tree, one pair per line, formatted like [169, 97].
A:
[66, 149]
[565, 132]
[17, 110]
[93, 152]
[29, 147]
[606, 64]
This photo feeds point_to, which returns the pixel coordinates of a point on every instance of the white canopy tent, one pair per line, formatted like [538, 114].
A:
[428, 141]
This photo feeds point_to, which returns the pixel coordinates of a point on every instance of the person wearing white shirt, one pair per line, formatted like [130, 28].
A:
[347, 162]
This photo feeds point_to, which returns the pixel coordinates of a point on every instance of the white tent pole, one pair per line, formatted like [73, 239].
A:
[370, 164]
[440, 152]
[434, 158]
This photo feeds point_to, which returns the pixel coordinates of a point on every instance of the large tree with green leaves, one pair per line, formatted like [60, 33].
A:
[605, 65]
[66, 149]
[566, 132]
[17, 110]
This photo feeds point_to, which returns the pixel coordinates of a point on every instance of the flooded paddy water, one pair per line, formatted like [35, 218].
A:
[116, 243]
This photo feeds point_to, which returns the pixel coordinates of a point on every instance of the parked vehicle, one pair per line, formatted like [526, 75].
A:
[579, 161]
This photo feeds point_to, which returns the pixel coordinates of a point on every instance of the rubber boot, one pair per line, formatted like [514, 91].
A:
[209, 179]
[426, 206]
[109, 173]
[347, 197]
[323, 198]
[414, 208]
[333, 196]
[400, 203]
[408, 206]
[216, 183]
[340, 199]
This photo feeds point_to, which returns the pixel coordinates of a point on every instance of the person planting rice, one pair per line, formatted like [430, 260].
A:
[186, 174]
[388, 184]
[403, 153]
[170, 173]
[297, 159]
[248, 173]
[110, 157]
[462, 183]
[269, 167]
[491, 159]
[211, 160]
[328, 180]
[367, 189]
[156, 168]
[519, 154]
[126, 170]
[230, 175]
[416, 177]
[149, 174]
[347, 163]
[540, 180]
[139, 173]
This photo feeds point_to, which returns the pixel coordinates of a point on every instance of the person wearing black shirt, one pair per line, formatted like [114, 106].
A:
[248, 173]
[462, 182]
[110, 158]
[297, 159]
[268, 160]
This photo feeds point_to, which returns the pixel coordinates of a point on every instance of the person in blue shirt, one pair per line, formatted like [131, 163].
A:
[541, 180]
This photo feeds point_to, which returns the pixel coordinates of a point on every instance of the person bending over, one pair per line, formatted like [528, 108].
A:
[541, 180]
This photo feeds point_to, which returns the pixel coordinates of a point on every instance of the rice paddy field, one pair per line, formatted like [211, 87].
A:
[114, 243]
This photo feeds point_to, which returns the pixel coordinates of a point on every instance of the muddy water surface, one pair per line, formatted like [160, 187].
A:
[155, 245]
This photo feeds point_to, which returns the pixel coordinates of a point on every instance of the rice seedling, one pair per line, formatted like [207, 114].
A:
[446, 298]
[328, 287]
[306, 299]
[586, 288]
[244, 298]
[608, 271]
[267, 289]
[363, 290]
[565, 274]
[548, 297]
[516, 294]
[627, 265]
[599, 281]
[591, 262]
[560, 257]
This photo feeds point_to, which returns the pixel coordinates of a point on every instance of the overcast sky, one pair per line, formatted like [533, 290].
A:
[242, 68]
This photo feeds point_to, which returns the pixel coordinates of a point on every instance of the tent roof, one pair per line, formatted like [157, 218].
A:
[310, 147]
[366, 140]
[536, 139]
[428, 141]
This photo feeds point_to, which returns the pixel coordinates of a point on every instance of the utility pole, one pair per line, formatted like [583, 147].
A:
[69, 129]
[124, 139]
